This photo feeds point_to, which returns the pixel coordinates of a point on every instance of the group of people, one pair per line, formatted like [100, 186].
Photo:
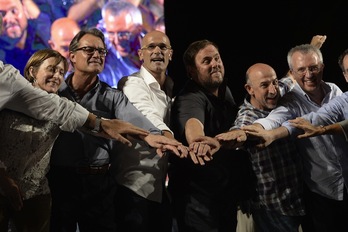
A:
[76, 152]
[31, 25]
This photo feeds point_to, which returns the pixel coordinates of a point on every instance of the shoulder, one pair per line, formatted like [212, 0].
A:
[333, 86]
[127, 81]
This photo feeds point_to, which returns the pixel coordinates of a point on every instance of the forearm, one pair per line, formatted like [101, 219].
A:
[335, 128]
[193, 129]
[82, 10]
[279, 133]
[31, 8]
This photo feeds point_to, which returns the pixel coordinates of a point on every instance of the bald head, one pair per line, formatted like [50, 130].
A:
[156, 52]
[152, 35]
[259, 70]
[63, 31]
[262, 86]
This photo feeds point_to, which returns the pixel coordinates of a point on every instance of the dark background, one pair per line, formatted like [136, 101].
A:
[263, 31]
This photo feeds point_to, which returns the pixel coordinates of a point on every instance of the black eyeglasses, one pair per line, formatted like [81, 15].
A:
[91, 50]
[152, 47]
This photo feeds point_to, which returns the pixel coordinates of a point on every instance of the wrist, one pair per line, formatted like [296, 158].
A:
[323, 129]
[97, 125]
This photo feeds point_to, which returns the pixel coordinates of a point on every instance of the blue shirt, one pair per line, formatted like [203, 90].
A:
[332, 112]
[38, 34]
[82, 149]
[320, 154]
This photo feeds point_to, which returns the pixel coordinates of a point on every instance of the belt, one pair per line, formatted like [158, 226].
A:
[87, 170]
[93, 170]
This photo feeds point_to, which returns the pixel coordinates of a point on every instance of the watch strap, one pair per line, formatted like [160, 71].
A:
[97, 125]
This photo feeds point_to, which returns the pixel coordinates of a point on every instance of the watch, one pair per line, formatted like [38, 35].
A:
[97, 126]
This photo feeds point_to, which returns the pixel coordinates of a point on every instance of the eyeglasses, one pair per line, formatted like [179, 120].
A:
[91, 50]
[122, 35]
[315, 69]
[152, 47]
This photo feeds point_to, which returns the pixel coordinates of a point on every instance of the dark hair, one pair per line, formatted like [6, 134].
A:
[192, 51]
[340, 59]
[39, 57]
[74, 44]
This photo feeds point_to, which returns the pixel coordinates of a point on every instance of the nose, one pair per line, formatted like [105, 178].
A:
[157, 48]
[307, 72]
[272, 88]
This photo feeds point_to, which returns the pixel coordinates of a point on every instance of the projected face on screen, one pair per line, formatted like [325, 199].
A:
[14, 19]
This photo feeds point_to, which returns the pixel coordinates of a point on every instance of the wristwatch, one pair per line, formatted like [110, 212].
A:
[97, 126]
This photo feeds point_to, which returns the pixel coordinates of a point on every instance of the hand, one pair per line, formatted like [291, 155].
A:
[12, 192]
[115, 129]
[258, 136]
[232, 139]
[162, 143]
[307, 127]
[181, 151]
[212, 143]
[203, 148]
[318, 40]
[184, 151]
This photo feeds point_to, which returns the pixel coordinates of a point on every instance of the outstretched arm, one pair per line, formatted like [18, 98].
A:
[232, 139]
[310, 130]
[200, 147]
[262, 137]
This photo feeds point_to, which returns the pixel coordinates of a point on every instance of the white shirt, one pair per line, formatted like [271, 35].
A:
[145, 93]
[139, 168]
[17, 94]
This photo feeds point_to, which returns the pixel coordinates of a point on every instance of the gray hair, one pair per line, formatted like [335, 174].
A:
[116, 7]
[304, 49]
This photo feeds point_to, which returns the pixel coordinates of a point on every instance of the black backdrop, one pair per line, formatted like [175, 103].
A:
[249, 32]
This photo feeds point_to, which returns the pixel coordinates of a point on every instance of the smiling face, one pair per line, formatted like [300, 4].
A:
[262, 86]
[85, 62]
[307, 70]
[14, 20]
[156, 52]
[121, 31]
[210, 69]
[49, 76]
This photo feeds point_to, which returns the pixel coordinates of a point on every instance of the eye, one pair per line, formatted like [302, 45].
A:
[163, 47]
[151, 47]
[89, 49]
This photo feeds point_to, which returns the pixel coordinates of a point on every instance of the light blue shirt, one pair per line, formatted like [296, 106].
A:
[332, 112]
[321, 154]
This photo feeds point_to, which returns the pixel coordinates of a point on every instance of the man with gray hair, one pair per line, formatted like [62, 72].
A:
[122, 26]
